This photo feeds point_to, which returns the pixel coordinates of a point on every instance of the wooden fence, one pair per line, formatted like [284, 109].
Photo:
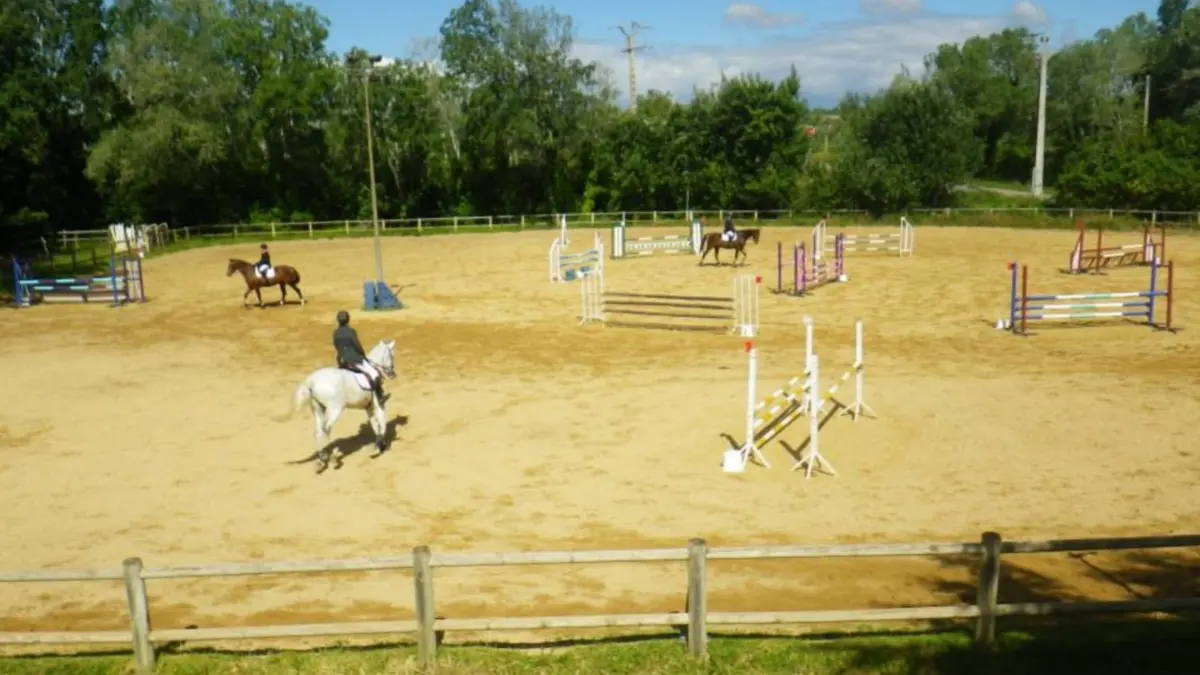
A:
[547, 221]
[696, 618]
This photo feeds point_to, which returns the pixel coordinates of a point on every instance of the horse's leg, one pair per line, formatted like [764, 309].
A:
[297, 289]
[378, 419]
[332, 414]
[319, 436]
[246, 295]
[282, 294]
[258, 294]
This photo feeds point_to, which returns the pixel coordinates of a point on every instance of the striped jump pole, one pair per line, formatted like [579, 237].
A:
[1024, 307]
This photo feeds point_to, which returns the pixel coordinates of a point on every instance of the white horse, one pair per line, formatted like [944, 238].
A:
[330, 391]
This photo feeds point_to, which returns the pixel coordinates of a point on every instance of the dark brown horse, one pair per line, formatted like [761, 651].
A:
[713, 242]
[284, 276]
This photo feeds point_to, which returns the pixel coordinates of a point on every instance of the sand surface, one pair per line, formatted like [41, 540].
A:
[147, 431]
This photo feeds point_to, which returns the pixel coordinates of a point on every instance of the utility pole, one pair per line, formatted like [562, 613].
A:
[1040, 151]
[630, 48]
[1146, 106]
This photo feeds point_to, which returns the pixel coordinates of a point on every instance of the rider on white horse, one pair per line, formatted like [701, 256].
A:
[351, 355]
[263, 266]
[729, 234]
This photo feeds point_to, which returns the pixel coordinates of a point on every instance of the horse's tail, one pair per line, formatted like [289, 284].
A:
[301, 396]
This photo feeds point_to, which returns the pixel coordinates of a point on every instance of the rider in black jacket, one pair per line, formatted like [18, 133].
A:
[352, 356]
[264, 261]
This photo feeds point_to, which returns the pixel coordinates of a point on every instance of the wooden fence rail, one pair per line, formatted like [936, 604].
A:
[548, 221]
[696, 618]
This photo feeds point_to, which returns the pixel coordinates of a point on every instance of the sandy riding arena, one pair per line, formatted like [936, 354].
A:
[147, 431]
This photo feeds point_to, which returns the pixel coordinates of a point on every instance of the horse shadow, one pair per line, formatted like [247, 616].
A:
[364, 438]
[275, 304]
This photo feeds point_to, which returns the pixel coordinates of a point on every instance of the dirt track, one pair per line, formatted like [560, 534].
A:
[146, 431]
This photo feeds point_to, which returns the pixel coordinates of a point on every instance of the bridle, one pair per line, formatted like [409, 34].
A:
[390, 371]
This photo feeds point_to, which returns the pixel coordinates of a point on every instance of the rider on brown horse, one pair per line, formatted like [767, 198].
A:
[351, 355]
[730, 233]
[264, 262]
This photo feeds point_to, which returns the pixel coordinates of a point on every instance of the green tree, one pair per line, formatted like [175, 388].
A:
[908, 147]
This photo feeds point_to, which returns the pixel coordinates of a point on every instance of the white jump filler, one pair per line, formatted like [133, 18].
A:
[671, 244]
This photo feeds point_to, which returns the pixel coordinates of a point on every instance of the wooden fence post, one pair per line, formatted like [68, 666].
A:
[423, 584]
[989, 588]
[697, 598]
[139, 614]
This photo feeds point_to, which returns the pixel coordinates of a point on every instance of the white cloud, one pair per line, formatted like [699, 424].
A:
[756, 16]
[1028, 14]
[855, 56]
[889, 6]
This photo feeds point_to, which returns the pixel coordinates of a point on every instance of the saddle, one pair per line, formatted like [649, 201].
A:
[360, 378]
[267, 275]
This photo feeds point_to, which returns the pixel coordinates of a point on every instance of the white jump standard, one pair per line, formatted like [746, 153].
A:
[768, 419]
[623, 247]
[902, 243]
[572, 266]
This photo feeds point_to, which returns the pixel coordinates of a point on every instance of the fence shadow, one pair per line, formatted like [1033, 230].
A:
[1158, 647]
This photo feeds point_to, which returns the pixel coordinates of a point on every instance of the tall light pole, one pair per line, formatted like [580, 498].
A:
[380, 295]
[1040, 152]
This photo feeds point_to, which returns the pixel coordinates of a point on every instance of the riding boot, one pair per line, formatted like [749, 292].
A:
[378, 386]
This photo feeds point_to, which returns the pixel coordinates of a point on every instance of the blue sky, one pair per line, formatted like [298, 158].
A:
[857, 45]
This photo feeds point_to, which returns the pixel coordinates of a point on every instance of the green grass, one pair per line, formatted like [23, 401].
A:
[1091, 648]
[1001, 184]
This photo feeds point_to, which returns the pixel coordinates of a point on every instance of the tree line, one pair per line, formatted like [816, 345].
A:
[206, 111]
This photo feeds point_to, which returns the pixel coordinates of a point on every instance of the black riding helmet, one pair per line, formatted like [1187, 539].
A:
[262, 247]
[343, 317]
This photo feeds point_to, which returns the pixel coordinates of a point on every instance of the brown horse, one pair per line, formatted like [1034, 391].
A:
[284, 276]
[713, 242]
